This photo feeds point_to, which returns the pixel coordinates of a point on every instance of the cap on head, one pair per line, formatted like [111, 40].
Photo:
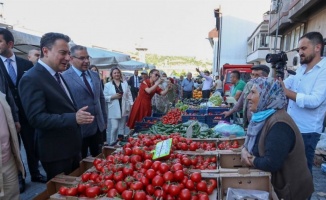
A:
[144, 72]
[261, 67]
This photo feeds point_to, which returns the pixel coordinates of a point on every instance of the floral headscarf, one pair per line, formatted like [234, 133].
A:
[271, 98]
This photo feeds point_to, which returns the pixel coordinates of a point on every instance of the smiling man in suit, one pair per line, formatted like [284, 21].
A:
[50, 108]
[14, 67]
[86, 89]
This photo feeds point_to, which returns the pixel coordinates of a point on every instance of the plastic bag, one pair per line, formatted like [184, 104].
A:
[225, 129]
[322, 142]
[240, 194]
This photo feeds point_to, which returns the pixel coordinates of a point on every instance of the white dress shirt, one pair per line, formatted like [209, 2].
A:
[207, 84]
[52, 72]
[308, 111]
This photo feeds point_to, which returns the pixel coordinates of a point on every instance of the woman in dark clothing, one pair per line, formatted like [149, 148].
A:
[274, 142]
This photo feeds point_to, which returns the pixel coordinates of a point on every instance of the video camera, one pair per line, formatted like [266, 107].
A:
[278, 62]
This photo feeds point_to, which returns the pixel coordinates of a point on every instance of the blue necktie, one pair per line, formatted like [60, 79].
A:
[11, 71]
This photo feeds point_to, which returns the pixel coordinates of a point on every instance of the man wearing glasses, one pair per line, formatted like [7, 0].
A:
[87, 91]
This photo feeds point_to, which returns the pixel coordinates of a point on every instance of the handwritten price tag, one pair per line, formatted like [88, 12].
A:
[162, 149]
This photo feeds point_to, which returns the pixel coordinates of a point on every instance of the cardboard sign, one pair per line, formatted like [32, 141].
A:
[162, 149]
[190, 130]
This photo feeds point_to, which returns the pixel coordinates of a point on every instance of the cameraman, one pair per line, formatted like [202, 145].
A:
[307, 92]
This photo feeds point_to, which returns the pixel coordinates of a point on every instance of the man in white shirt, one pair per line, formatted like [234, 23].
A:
[307, 92]
[207, 84]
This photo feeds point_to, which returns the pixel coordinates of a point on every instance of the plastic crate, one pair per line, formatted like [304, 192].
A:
[151, 119]
[200, 118]
[212, 120]
[197, 111]
[142, 126]
[157, 114]
[216, 110]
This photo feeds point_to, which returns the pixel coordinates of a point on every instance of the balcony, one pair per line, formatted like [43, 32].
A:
[258, 55]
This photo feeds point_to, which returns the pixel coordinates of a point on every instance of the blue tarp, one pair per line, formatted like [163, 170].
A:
[132, 65]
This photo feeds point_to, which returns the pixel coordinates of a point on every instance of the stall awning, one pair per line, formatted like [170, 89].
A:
[24, 42]
[106, 59]
[132, 65]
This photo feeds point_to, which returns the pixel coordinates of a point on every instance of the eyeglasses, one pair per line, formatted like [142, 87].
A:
[157, 75]
[82, 58]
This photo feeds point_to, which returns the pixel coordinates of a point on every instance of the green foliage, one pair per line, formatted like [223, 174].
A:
[160, 61]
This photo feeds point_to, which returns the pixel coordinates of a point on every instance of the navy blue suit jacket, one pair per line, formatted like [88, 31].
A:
[53, 115]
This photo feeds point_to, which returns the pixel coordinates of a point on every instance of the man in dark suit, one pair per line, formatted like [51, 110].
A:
[14, 67]
[50, 108]
[86, 89]
[134, 84]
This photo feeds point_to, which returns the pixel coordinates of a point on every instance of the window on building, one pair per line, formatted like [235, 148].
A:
[264, 40]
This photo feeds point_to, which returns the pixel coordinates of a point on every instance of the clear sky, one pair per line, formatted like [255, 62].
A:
[170, 27]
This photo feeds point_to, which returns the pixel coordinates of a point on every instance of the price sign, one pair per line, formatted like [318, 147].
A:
[162, 149]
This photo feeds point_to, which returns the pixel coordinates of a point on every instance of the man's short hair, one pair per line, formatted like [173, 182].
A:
[48, 39]
[236, 73]
[315, 38]
[75, 48]
[264, 68]
[7, 35]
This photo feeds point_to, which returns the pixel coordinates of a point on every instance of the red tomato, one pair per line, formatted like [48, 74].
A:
[176, 167]
[81, 188]
[127, 195]
[128, 151]
[195, 177]
[156, 165]
[139, 195]
[168, 176]
[193, 146]
[190, 185]
[174, 190]
[118, 176]
[150, 174]
[125, 159]
[212, 182]
[85, 177]
[135, 159]
[202, 186]
[112, 193]
[72, 191]
[185, 194]
[92, 191]
[163, 168]
[178, 175]
[157, 181]
[121, 186]
[150, 189]
[137, 185]
[63, 190]
[144, 181]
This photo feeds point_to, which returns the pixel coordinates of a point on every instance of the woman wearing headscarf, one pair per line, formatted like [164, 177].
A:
[274, 142]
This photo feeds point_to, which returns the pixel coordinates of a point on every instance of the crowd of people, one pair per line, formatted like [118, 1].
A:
[57, 105]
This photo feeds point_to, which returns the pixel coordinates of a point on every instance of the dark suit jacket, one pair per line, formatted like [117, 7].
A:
[50, 111]
[22, 67]
[4, 88]
[131, 82]
[96, 104]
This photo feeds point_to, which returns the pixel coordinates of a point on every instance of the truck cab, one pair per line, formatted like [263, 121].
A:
[245, 71]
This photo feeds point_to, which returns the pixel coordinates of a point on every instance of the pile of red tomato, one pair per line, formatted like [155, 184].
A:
[172, 117]
[226, 145]
[131, 174]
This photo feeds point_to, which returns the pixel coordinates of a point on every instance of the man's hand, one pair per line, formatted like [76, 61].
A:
[288, 93]
[197, 69]
[83, 117]
[226, 113]
[245, 157]
[18, 127]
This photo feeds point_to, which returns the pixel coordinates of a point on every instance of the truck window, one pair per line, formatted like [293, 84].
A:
[245, 76]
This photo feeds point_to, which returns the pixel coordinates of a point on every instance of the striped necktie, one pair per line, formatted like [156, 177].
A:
[11, 71]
